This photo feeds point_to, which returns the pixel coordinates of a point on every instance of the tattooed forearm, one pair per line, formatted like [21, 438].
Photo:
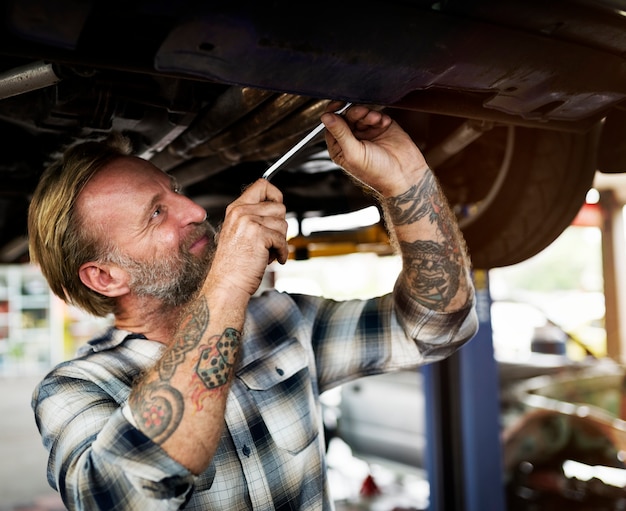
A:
[215, 365]
[415, 203]
[157, 406]
[435, 264]
[425, 199]
[432, 273]
[189, 334]
[217, 360]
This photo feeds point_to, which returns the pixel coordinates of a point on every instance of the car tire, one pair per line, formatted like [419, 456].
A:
[537, 183]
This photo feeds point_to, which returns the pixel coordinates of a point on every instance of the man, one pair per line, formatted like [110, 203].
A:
[204, 396]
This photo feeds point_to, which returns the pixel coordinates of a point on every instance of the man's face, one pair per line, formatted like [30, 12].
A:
[173, 278]
[158, 236]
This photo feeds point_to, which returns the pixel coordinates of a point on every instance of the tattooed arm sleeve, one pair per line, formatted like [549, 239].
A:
[435, 260]
[180, 403]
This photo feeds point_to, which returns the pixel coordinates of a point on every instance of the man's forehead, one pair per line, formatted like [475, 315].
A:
[123, 175]
[130, 167]
[120, 180]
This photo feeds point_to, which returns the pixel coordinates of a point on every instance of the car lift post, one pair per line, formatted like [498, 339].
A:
[463, 449]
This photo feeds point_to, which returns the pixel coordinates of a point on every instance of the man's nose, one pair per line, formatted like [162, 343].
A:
[191, 213]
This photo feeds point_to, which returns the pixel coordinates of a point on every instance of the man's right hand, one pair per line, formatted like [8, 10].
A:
[253, 234]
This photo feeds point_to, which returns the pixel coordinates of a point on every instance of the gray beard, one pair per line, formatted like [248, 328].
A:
[174, 280]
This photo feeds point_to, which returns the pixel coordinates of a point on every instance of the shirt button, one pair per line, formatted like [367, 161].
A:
[246, 451]
[280, 371]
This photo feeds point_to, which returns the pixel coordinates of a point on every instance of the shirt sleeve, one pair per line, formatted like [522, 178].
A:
[97, 459]
[437, 334]
[356, 338]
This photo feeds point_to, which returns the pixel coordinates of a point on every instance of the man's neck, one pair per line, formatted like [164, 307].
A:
[148, 316]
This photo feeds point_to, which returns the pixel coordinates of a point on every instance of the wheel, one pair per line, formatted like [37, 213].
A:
[516, 189]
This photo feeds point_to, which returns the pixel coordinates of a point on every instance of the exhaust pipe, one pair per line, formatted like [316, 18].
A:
[20, 80]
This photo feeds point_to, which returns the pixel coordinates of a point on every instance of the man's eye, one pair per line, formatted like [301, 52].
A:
[156, 212]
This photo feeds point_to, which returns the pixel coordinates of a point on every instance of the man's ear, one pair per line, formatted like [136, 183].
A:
[104, 279]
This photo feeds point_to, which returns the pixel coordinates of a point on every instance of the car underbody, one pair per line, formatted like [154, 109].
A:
[515, 104]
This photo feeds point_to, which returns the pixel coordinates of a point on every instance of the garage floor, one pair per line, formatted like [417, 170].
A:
[23, 484]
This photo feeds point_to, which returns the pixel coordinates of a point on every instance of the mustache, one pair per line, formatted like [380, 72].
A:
[200, 230]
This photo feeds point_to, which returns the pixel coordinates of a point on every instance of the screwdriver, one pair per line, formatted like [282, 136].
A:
[269, 173]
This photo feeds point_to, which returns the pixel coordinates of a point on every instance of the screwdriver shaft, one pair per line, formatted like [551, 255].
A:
[269, 173]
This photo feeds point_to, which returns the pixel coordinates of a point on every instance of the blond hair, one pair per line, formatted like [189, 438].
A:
[58, 241]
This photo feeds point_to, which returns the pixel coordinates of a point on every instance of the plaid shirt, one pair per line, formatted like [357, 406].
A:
[271, 454]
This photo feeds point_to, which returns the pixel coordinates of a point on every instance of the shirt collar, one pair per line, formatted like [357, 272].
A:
[111, 338]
